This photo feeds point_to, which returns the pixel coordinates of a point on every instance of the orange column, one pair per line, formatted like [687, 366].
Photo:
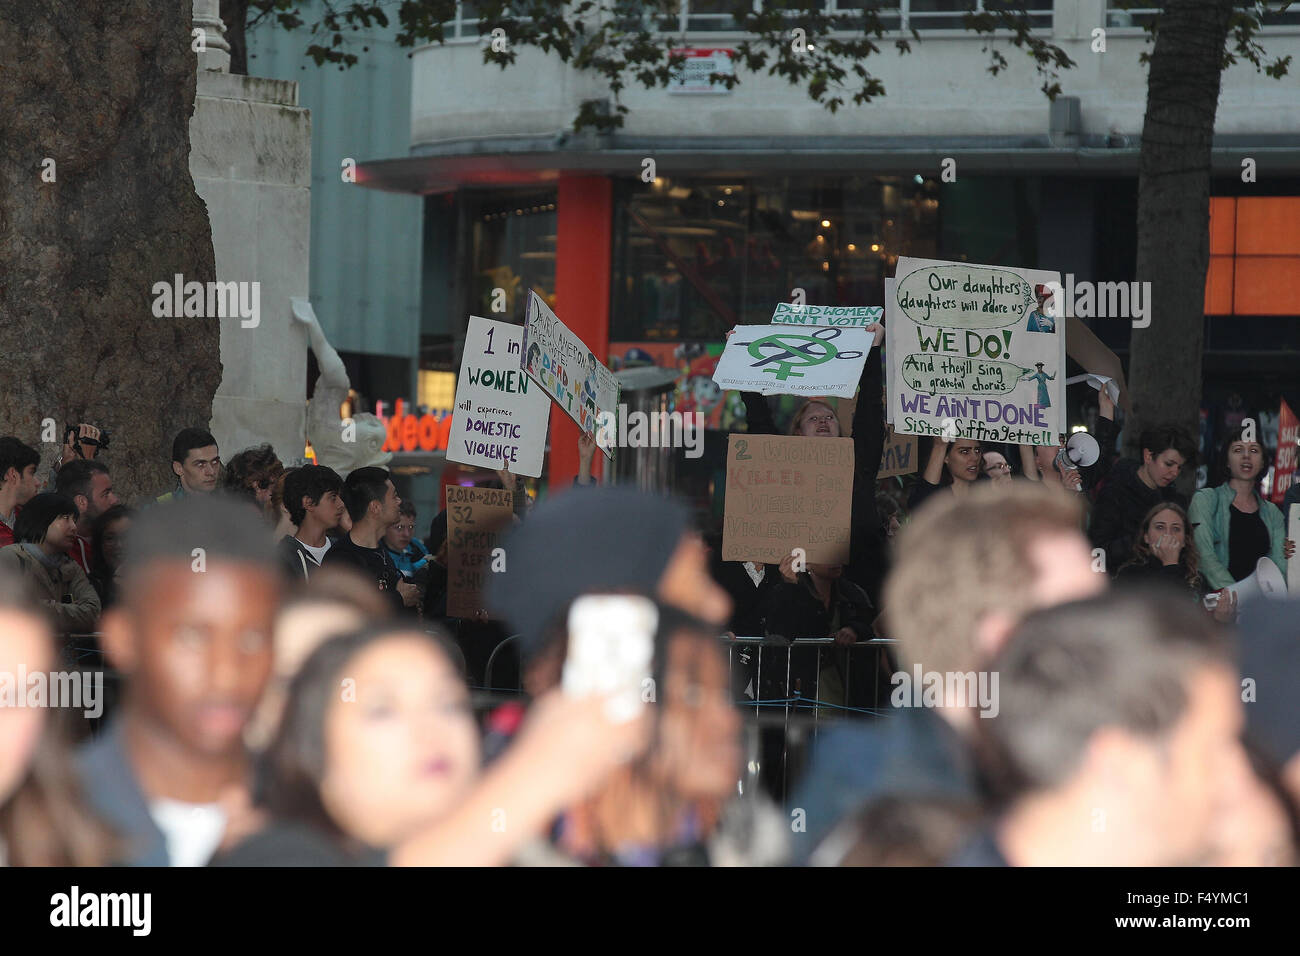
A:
[583, 250]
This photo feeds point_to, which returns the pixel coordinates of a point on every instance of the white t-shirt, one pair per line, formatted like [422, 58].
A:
[193, 830]
[317, 554]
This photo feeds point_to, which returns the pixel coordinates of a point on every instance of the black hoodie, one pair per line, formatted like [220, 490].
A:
[1122, 502]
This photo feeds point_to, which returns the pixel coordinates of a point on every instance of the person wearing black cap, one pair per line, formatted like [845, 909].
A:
[608, 539]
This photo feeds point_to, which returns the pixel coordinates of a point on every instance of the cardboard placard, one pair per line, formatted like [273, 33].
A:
[570, 373]
[976, 351]
[794, 360]
[899, 455]
[786, 492]
[476, 520]
[501, 414]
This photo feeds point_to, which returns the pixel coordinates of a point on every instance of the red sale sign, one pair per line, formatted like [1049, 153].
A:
[1288, 435]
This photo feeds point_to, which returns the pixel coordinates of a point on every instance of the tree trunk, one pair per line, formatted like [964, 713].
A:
[106, 91]
[1173, 243]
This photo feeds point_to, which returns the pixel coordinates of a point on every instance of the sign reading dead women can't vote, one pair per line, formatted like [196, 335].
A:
[975, 351]
[476, 520]
[501, 414]
[570, 373]
[786, 492]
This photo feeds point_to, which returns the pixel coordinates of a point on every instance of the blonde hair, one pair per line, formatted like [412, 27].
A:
[960, 559]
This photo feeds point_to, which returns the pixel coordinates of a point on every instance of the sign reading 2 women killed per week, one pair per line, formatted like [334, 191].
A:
[789, 359]
[501, 414]
[476, 519]
[570, 373]
[975, 351]
[786, 492]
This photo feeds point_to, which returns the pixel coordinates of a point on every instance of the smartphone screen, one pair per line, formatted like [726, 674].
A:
[611, 650]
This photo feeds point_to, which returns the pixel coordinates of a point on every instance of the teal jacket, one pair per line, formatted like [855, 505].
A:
[1210, 515]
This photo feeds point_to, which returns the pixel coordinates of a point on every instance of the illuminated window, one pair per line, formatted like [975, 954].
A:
[437, 390]
[1254, 256]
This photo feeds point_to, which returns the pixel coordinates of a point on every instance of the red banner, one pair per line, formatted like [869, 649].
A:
[1288, 434]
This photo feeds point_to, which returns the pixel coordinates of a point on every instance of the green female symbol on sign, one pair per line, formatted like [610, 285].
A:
[805, 350]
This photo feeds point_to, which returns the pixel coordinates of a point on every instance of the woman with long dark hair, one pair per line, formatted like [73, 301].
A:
[376, 762]
[42, 533]
[106, 537]
[1234, 524]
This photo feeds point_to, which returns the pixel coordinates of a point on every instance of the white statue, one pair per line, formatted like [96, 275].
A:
[342, 444]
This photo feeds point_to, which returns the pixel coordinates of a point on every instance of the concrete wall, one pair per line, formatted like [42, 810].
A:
[251, 158]
[941, 89]
[365, 245]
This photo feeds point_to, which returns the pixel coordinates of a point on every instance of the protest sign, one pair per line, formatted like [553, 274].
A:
[899, 456]
[570, 373]
[501, 414]
[476, 519]
[784, 360]
[977, 347]
[1284, 466]
[1293, 562]
[847, 316]
[786, 492]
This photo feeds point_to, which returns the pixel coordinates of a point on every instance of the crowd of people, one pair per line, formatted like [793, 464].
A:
[288, 689]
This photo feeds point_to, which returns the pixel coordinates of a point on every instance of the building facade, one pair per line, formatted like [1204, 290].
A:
[708, 206]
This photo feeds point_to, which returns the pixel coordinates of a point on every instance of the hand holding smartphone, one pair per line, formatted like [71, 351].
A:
[611, 651]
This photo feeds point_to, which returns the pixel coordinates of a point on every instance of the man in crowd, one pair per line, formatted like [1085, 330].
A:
[86, 481]
[966, 571]
[18, 484]
[1116, 742]
[312, 496]
[372, 503]
[1132, 488]
[192, 637]
[195, 462]
[405, 550]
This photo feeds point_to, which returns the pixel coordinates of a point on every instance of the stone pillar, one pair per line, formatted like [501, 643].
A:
[215, 56]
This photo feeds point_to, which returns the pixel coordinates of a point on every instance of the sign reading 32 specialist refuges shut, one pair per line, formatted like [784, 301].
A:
[975, 351]
[794, 360]
[570, 373]
[501, 414]
[786, 492]
[477, 518]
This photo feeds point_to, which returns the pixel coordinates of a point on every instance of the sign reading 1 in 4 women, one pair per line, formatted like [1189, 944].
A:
[975, 351]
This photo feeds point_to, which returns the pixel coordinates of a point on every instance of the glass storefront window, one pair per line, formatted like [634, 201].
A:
[693, 257]
[513, 239]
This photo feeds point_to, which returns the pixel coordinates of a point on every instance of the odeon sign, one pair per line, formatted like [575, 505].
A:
[412, 432]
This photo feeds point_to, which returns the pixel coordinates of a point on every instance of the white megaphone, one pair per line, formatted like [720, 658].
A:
[1081, 449]
[1266, 581]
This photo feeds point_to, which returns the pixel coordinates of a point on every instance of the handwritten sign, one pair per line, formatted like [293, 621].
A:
[570, 373]
[786, 360]
[847, 316]
[899, 456]
[978, 347]
[476, 519]
[788, 492]
[501, 414]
